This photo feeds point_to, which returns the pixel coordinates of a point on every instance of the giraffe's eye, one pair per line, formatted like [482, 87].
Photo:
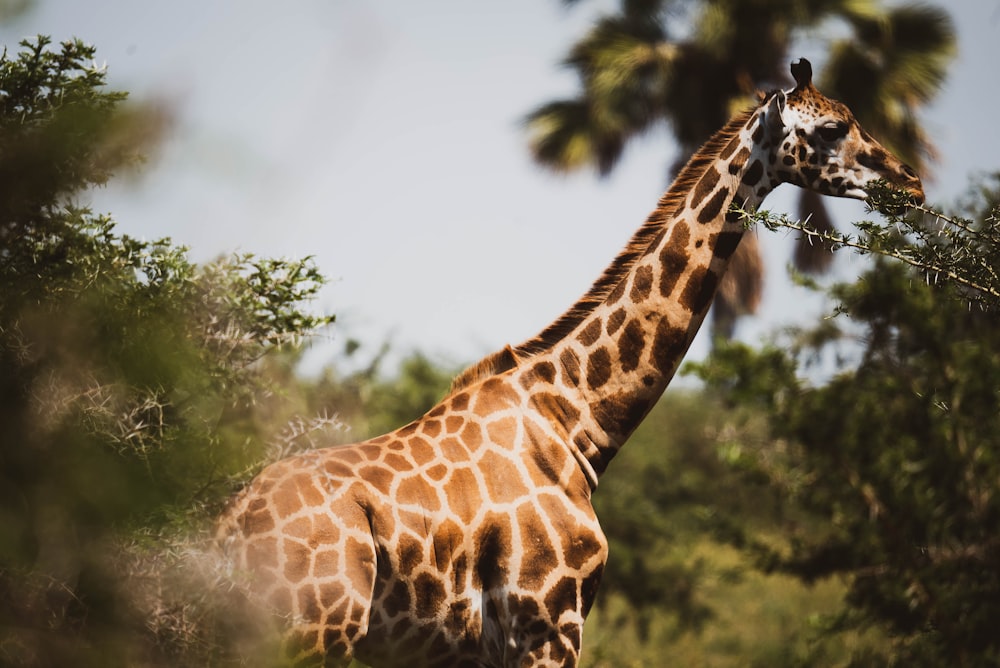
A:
[832, 131]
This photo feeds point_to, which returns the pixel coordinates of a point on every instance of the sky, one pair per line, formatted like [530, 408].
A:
[385, 139]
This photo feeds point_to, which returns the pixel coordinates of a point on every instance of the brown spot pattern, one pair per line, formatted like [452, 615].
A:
[325, 564]
[463, 495]
[631, 345]
[753, 173]
[589, 334]
[641, 285]
[669, 344]
[618, 414]
[502, 430]
[411, 554]
[429, 594]
[286, 500]
[296, 561]
[555, 408]
[562, 596]
[736, 164]
[492, 543]
[615, 320]
[726, 243]
[397, 463]
[713, 207]
[447, 541]
[546, 371]
[379, 477]
[494, 395]
[598, 368]
[398, 600]
[730, 147]
[542, 372]
[541, 556]
[460, 401]
[420, 450]
[360, 564]
[706, 184]
[437, 472]
[416, 491]
[256, 521]
[472, 436]
[570, 367]
[674, 258]
[699, 290]
[501, 488]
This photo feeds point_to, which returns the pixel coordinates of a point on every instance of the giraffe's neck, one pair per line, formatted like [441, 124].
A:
[620, 346]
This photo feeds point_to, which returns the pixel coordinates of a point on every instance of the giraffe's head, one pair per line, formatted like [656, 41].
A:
[817, 143]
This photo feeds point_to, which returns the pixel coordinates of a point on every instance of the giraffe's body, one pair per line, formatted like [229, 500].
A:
[468, 537]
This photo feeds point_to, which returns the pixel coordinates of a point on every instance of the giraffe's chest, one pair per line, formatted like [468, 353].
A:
[428, 601]
[424, 622]
[475, 592]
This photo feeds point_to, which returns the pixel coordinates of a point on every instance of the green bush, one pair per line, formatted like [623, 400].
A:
[135, 391]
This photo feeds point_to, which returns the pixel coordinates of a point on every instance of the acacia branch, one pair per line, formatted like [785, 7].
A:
[953, 249]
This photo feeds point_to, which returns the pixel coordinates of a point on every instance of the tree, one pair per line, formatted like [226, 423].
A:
[134, 388]
[944, 248]
[671, 504]
[894, 458]
[641, 67]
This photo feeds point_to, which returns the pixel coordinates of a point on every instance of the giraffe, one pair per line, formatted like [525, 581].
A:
[467, 537]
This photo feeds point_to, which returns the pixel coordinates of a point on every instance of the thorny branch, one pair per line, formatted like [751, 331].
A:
[945, 248]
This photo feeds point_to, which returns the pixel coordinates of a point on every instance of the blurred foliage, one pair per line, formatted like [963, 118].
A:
[894, 459]
[133, 390]
[673, 504]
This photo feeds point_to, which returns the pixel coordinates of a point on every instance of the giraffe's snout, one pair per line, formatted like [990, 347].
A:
[889, 168]
[910, 182]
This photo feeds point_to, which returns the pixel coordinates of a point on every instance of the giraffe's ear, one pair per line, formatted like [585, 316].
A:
[802, 71]
[773, 114]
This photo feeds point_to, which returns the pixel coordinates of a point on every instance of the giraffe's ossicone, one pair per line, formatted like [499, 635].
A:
[467, 538]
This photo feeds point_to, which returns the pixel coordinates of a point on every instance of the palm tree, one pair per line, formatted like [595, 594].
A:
[691, 64]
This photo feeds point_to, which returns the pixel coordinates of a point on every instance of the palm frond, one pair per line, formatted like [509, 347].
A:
[623, 67]
[563, 136]
[895, 63]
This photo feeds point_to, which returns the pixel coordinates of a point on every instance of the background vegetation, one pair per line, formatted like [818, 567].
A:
[764, 519]
[134, 390]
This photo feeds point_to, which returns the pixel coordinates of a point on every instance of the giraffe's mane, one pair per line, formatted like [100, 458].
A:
[509, 357]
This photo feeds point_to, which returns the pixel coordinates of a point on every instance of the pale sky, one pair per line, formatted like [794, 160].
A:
[384, 138]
